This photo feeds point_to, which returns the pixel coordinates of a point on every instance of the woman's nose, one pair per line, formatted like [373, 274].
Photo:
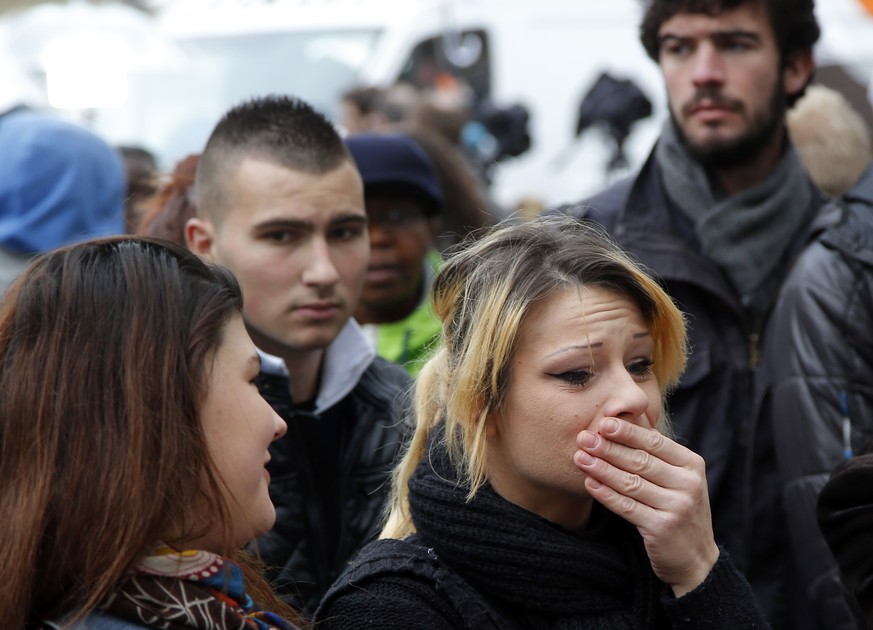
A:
[628, 400]
[281, 426]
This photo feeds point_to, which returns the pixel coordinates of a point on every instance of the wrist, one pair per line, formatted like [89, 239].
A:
[698, 575]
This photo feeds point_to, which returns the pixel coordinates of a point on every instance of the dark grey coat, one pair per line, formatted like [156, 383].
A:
[714, 410]
[327, 509]
[821, 390]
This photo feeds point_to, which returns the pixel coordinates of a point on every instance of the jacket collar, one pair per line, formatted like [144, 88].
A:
[345, 361]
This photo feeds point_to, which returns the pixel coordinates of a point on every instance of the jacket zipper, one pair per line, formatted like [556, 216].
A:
[754, 350]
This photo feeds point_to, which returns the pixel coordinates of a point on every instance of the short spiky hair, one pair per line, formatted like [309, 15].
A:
[277, 128]
[793, 21]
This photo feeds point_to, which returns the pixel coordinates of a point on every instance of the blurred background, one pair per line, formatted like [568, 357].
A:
[549, 99]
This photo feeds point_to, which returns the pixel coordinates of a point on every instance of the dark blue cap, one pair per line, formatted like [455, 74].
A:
[394, 164]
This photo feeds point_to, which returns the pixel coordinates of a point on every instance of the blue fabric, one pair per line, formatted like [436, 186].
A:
[59, 184]
[393, 163]
[98, 621]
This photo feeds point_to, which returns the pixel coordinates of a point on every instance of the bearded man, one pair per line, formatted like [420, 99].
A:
[719, 211]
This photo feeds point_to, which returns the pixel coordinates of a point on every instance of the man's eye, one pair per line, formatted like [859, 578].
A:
[676, 48]
[347, 233]
[737, 46]
[278, 237]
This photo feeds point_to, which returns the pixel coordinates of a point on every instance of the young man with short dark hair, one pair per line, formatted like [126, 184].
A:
[281, 204]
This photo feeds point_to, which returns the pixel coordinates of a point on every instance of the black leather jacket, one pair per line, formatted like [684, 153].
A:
[821, 394]
[713, 410]
[330, 478]
[845, 513]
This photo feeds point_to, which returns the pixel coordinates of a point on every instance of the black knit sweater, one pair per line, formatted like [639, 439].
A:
[491, 564]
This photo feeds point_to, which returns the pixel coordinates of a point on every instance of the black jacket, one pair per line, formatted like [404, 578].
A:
[714, 409]
[845, 512]
[330, 477]
[821, 396]
[489, 564]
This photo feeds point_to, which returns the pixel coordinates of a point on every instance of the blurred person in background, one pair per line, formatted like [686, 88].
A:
[720, 210]
[831, 137]
[466, 208]
[59, 183]
[359, 109]
[845, 514]
[281, 204]
[400, 108]
[820, 393]
[141, 174]
[404, 201]
[167, 212]
[394, 105]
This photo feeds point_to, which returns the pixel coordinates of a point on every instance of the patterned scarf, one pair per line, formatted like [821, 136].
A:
[180, 590]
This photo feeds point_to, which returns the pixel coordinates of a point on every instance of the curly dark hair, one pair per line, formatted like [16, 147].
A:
[794, 22]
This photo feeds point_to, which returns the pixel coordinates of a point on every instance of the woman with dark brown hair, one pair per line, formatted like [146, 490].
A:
[132, 444]
[173, 204]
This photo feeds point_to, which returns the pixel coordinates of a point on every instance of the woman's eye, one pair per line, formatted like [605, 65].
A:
[574, 377]
[642, 368]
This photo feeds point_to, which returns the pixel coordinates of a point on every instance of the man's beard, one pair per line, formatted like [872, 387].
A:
[733, 152]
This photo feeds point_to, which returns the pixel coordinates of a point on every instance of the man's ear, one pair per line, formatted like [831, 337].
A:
[200, 237]
[797, 72]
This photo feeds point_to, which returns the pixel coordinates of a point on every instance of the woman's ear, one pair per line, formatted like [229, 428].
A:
[492, 423]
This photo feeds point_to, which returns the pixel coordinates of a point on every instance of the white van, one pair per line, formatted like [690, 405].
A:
[543, 54]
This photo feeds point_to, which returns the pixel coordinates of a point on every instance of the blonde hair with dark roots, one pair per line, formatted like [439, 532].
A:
[482, 296]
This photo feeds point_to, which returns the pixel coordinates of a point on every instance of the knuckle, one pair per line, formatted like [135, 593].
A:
[632, 483]
[641, 460]
[626, 505]
[654, 440]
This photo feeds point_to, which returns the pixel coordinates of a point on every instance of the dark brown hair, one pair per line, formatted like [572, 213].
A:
[793, 22]
[105, 350]
[173, 204]
[280, 129]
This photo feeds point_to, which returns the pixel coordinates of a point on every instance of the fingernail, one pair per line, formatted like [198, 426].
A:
[584, 458]
[593, 483]
[589, 439]
[610, 426]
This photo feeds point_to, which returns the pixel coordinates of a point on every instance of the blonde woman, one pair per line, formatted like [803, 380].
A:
[541, 488]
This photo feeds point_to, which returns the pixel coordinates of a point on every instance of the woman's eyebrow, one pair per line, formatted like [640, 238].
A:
[573, 348]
